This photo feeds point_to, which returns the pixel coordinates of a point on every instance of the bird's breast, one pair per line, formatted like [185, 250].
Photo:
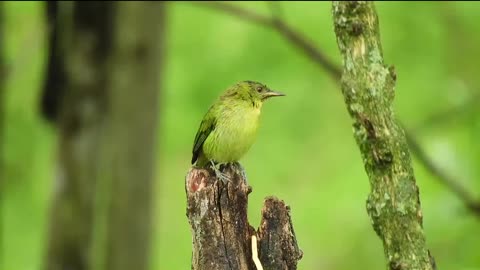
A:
[241, 127]
[234, 134]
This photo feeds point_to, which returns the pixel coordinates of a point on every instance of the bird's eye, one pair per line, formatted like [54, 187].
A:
[259, 89]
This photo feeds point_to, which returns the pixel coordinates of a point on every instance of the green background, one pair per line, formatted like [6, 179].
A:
[305, 152]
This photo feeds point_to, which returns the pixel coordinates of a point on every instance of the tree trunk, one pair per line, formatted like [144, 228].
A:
[107, 119]
[54, 84]
[80, 120]
[222, 236]
[3, 76]
[126, 161]
[368, 88]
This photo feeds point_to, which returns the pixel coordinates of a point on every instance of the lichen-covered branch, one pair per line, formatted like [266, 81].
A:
[368, 87]
[221, 234]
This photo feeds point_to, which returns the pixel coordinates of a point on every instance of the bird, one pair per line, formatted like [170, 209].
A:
[229, 127]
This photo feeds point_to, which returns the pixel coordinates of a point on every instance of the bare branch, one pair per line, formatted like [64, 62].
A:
[276, 11]
[470, 202]
[451, 113]
[238, 12]
[297, 39]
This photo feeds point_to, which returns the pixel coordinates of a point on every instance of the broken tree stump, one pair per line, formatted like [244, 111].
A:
[221, 233]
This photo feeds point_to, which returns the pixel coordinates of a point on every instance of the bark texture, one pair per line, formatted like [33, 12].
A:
[106, 92]
[217, 212]
[278, 248]
[221, 234]
[368, 87]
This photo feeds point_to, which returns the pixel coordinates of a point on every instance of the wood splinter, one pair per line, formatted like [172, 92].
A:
[256, 260]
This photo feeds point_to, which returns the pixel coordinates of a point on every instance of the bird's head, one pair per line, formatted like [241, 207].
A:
[252, 91]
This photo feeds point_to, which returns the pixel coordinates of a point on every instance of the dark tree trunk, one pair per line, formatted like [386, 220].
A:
[75, 90]
[278, 248]
[222, 236]
[102, 90]
[54, 84]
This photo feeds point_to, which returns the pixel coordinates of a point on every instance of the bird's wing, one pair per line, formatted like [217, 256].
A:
[206, 127]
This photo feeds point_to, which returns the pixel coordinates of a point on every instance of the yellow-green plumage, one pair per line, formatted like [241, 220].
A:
[229, 128]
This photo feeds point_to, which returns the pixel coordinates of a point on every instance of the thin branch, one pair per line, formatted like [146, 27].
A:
[276, 11]
[306, 46]
[451, 113]
[470, 202]
[297, 39]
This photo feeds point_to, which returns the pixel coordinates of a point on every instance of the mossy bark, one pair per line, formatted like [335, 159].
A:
[368, 86]
[107, 121]
[221, 234]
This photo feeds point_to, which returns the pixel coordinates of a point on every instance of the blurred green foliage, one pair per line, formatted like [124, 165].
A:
[305, 152]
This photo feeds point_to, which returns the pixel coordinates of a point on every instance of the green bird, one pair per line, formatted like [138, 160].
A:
[229, 127]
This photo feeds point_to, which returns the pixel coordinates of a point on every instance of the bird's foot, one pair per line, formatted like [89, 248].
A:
[218, 173]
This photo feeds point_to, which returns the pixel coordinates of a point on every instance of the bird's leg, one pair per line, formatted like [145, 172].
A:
[216, 168]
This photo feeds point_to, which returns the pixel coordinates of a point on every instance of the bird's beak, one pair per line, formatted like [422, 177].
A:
[271, 93]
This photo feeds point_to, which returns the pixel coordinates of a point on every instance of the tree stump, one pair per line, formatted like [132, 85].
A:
[221, 234]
